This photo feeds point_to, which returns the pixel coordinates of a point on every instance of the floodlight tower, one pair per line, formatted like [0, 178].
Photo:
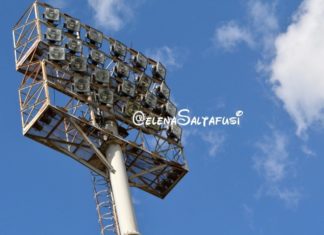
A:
[79, 91]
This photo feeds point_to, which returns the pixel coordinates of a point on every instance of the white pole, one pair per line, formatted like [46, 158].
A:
[120, 189]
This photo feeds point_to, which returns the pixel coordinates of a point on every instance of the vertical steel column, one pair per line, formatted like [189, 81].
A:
[120, 189]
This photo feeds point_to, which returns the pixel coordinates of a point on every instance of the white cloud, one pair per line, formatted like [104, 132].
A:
[171, 57]
[230, 34]
[273, 161]
[297, 69]
[275, 167]
[214, 140]
[248, 213]
[291, 197]
[258, 33]
[306, 150]
[111, 14]
[263, 15]
[264, 24]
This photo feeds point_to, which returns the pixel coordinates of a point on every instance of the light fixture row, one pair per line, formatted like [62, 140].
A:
[137, 92]
[94, 39]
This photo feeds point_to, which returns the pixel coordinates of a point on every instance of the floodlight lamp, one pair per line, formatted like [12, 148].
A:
[174, 132]
[97, 57]
[127, 88]
[54, 35]
[163, 91]
[130, 108]
[74, 46]
[143, 82]
[121, 69]
[150, 100]
[72, 25]
[105, 96]
[81, 84]
[52, 14]
[139, 61]
[170, 109]
[78, 64]
[101, 76]
[56, 53]
[159, 71]
[95, 37]
[118, 49]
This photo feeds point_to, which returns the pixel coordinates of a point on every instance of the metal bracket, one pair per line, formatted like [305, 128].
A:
[94, 148]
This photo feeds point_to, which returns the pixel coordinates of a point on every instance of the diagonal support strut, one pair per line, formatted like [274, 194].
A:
[94, 148]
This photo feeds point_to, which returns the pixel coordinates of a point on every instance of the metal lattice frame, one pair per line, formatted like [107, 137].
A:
[52, 114]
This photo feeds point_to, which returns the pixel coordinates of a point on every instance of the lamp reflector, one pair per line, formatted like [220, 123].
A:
[163, 91]
[121, 69]
[74, 45]
[81, 84]
[101, 76]
[170, 109]
[56, 53]
[97, 57]
[118, 49]
[143, 82]
[139, 60]
[95, 37]
[175, 132]
[54, 35]
[78, 64]
[72, 25]
[130, 108]
[105, 96]
[51, 14]
[150, 100]
[159, 71]
[127, 88]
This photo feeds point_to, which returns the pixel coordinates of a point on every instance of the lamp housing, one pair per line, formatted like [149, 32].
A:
[139, 61]
[53, 35]
[81, 84]
[121, 70]
[174, 132]
[143, 82]
[169, 109]
[150, 100]
[130, 108]
[74, 46]
[159, 71]
[78, 64]
[163, 91]
[105, 96]
[94, 37]
[97, 57]
[52, 14]
[72, 25]
[126, 88]
[101, 76]
[56, 53]
[118, 49]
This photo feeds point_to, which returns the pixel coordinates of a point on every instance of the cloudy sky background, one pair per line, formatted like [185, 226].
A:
[264, 177]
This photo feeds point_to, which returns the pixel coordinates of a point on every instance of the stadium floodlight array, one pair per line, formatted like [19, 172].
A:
[92, 60]
[80, 91]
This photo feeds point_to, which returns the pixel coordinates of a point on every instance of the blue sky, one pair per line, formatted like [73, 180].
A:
[261, 178]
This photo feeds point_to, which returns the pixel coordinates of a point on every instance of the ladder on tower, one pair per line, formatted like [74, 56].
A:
[105, 206]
